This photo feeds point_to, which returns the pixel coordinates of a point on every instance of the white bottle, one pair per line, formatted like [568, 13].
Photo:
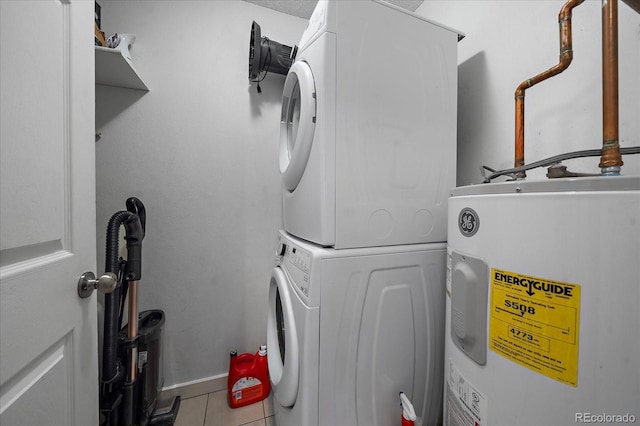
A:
[409, 417]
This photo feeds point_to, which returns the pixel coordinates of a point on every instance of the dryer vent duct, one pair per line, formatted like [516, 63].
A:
[266, 55]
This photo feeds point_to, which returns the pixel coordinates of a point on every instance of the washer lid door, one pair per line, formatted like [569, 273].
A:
[282, 341]
[297, 123]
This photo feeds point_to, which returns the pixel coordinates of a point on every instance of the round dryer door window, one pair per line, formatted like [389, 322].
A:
[297, 123]
[282, 341]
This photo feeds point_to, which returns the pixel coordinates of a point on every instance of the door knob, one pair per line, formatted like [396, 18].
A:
[88, 282]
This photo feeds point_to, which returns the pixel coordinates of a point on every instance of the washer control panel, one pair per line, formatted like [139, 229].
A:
[297, 263]
[300, 259]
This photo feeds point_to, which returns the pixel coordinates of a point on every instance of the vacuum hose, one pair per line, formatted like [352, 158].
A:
[134, 233]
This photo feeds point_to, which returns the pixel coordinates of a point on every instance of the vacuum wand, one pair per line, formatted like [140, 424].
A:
[132, 330]
[134, 235]
[134, 227]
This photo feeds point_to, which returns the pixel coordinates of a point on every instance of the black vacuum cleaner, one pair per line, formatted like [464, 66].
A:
[131, 378]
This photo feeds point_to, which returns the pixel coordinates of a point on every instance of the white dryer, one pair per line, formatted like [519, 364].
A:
[368, 127]
[349, 329]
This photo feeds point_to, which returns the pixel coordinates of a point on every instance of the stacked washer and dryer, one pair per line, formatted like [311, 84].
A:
[367, 157]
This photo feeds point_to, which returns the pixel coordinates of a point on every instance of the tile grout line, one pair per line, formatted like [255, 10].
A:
[264, 411]
[248, 423]
[206, 408]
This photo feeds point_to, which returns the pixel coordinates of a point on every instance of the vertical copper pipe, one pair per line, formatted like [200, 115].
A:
[566, 56]
[132, 328]
[611, 159]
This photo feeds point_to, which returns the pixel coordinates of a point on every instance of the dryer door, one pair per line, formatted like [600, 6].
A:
[282, 340]
[297, 123]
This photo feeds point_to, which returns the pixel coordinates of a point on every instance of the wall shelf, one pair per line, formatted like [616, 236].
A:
[113, 69]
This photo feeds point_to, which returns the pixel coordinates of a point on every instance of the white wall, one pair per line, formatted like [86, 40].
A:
[200, 150]
[509, 41]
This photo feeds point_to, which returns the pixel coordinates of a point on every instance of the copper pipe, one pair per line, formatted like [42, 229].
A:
[132, 329]
[566, 56]
[611, 159]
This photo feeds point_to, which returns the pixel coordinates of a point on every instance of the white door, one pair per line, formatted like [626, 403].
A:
[297, 123]
[48, 335]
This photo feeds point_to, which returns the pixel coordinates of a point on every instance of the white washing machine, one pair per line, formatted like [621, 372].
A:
[349, 329]
[368, 127]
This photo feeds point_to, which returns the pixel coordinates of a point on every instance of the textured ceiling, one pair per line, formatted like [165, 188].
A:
[304, 8]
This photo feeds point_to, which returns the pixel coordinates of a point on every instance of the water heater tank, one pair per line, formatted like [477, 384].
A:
[543, 303]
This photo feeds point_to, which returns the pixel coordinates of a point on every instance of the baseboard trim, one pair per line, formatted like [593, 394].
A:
[196, 387]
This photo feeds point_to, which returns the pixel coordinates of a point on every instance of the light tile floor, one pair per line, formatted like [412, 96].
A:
[213, 410]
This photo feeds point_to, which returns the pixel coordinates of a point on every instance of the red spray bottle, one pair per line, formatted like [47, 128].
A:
[248, 380]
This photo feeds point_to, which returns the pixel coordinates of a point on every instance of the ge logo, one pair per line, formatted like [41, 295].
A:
[468, 222]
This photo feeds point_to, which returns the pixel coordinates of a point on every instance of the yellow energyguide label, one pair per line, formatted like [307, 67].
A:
[535, 322]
